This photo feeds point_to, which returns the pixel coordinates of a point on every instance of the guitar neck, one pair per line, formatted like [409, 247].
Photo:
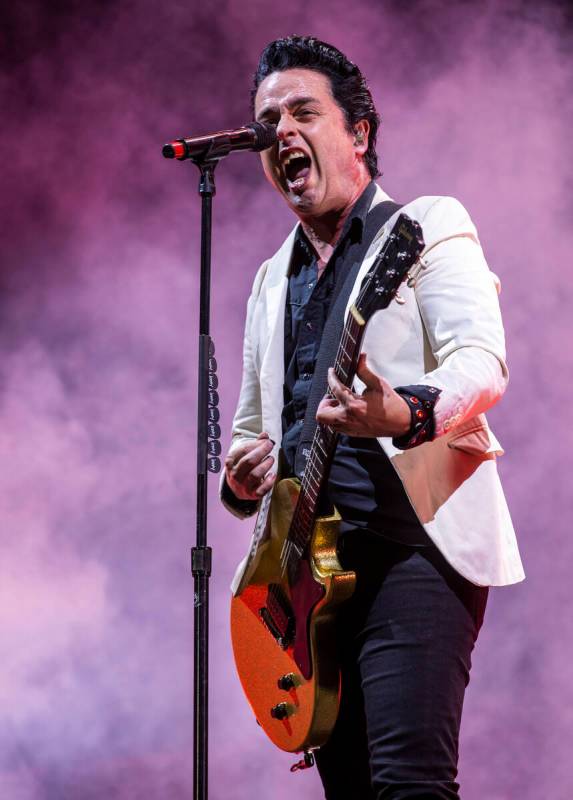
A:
[325, 439]
[400, 252]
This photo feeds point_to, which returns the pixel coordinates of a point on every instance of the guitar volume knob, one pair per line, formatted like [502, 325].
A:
[280, 711]
[287, 682]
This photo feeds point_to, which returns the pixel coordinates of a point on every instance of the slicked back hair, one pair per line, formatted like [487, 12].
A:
[347, 83]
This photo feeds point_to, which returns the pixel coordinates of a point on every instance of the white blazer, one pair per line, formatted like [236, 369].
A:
[447, 334]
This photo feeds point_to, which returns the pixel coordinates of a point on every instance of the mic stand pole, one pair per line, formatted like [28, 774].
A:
[208, 451]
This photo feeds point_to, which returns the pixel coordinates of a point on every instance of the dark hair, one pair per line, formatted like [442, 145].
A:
[347, 83]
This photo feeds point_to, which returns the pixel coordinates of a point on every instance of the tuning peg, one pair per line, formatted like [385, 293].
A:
[399, 299]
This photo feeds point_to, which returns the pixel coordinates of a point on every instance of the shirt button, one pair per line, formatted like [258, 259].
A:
[310, 285]
[309, 326]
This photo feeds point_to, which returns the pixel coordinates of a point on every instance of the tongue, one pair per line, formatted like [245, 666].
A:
[299, 176]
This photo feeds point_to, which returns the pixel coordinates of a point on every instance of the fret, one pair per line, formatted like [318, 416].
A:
[343, 350]
[310, 475]
[307, 487]
[307, 504]
[315, 466]
[314, 479]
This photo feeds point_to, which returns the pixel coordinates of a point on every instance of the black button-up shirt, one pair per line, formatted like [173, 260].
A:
[363, 484]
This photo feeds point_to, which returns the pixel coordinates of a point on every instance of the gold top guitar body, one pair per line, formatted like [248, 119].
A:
[282, 635]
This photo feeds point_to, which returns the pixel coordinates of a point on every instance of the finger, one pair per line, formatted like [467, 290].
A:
[258, 473]
[240, 468]
[369, 378]
[328, 402]
[266, 485]
[235, 455]
[341, 393]
[250, 460]
[334, 415]
[339, 425]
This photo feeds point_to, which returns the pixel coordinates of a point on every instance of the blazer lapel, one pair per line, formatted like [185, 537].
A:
[272, 361]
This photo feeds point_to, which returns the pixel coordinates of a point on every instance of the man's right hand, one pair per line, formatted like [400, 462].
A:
[247, 469]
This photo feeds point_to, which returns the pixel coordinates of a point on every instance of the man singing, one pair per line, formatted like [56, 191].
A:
[424, 520]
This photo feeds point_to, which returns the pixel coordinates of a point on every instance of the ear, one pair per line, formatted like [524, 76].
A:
[361, 132]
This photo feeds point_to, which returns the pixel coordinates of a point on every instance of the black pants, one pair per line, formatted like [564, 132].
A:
[405, 641]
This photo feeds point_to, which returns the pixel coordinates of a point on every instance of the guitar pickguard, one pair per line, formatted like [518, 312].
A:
[306, 593]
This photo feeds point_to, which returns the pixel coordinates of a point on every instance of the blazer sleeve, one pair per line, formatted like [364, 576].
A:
[247, 422]
[458, 301]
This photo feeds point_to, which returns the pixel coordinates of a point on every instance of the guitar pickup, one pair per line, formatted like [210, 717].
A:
[277, 616]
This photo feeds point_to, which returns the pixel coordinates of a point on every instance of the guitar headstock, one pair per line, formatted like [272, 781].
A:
[398, 255]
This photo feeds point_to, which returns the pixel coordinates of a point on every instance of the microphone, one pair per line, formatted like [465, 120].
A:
[254, 136]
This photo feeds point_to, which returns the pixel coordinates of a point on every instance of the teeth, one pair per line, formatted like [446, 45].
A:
[293, 154]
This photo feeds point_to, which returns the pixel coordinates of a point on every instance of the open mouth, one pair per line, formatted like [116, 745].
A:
[296, 166]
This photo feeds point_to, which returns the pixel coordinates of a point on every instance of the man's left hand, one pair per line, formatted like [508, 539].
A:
[378, 411]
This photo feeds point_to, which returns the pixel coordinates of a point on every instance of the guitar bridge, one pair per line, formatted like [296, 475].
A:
[277, 616]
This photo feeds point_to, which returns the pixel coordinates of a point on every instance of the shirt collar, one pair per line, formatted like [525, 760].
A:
[353, 227]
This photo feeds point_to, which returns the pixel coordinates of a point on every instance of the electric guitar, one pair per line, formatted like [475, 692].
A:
[283, 611]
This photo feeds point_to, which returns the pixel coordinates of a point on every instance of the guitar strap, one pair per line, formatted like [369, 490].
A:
[334, 327]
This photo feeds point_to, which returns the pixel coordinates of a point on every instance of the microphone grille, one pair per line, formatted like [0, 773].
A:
[265, 135]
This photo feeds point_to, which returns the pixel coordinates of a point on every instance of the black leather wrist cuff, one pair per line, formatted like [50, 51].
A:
[421, 401]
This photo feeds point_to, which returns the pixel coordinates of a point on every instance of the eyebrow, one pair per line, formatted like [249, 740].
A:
[298, 100]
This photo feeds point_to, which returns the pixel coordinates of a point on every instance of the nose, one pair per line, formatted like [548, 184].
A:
[286, 127]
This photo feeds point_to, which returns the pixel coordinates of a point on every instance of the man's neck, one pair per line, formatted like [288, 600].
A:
[324, 232]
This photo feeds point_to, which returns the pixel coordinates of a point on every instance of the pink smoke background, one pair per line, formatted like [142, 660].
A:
[98, 323]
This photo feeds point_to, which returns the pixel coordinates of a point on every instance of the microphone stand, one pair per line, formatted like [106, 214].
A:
[208, 451]
[205, 153]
